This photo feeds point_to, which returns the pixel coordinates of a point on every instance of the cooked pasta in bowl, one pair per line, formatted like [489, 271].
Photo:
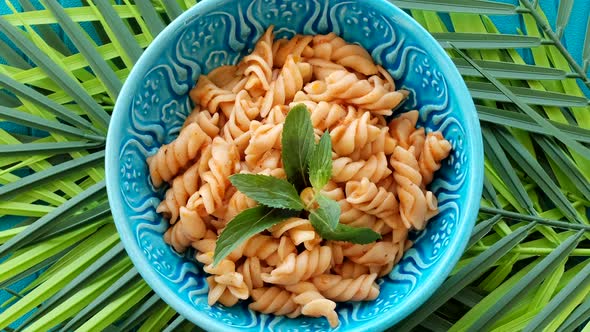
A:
[294, 165]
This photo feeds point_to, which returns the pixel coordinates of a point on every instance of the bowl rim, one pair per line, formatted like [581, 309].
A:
[442, 267]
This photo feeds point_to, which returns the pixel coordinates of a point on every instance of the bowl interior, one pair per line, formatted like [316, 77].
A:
[154, 103]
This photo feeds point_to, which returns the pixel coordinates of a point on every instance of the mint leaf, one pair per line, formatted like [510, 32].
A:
[246, 224]
[298, 143]
[320, 163]
[327, 216]
[268, 190]
[358, 235]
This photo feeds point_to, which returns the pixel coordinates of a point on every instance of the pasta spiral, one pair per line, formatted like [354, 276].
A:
[346, 138]
[210, 195]
[366, 196]
[212, 97]
[236, 204]
[323, 68]
[436, 148]
[292, 77]
[313, 303]
[376, 253]
[300, 231]
[226, 77]
[413, 202]
[237, 128]
[183, 186]
[172, 158]
[375, 168]
[190, 228]
[337, 288]
[296, 268]
[403, 129]
[264, 137]
[348, 269]
[274, 300]
[251, 270]
[259, 64]
[331, 47]
[350, 215]
[372, 94]
[324, 116]
[296, 47]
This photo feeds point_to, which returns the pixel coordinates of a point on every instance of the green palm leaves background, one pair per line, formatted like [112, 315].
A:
[527, 266]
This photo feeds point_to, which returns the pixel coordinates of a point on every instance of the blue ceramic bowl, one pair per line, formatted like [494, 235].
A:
[154, 102]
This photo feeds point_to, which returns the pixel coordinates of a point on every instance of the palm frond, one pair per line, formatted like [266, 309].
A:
[526, 265]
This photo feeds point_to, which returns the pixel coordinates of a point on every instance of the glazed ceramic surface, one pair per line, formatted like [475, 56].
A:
[154, 103]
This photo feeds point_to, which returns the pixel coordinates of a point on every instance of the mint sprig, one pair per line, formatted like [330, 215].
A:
[305, 164]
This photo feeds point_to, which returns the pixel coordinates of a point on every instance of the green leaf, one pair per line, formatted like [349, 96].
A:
[34, 269]
[298, 141]
[562, 299]
[509, 70]
[68, 307]
[533, 169]
[325, 218]
[484, 41]
[46, 148]
[39, 178]
[528, 110]
[325, 221]
[482, 228]
[98, 215]
[38, 227]
[525, 122]
[176, 323]
[534, 218]
[115, 308]
[559, 157]
[268, 190]
[465, 276]
[172, 8]
[11, 57]
[246, 224]
[563, 16]
[41, 100]
[130, 278]
[320, 163]
[48, 34]
[158, 320]
[44, 124]
[120, 32]
[65, 81]
[586, 49]
[577, 318]
[458, 6]
[55, 283]
[80, 39]
[482, 90]
[531, 279]
[140, 314]
[151, 17]
[102, 264]
[503, 167]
